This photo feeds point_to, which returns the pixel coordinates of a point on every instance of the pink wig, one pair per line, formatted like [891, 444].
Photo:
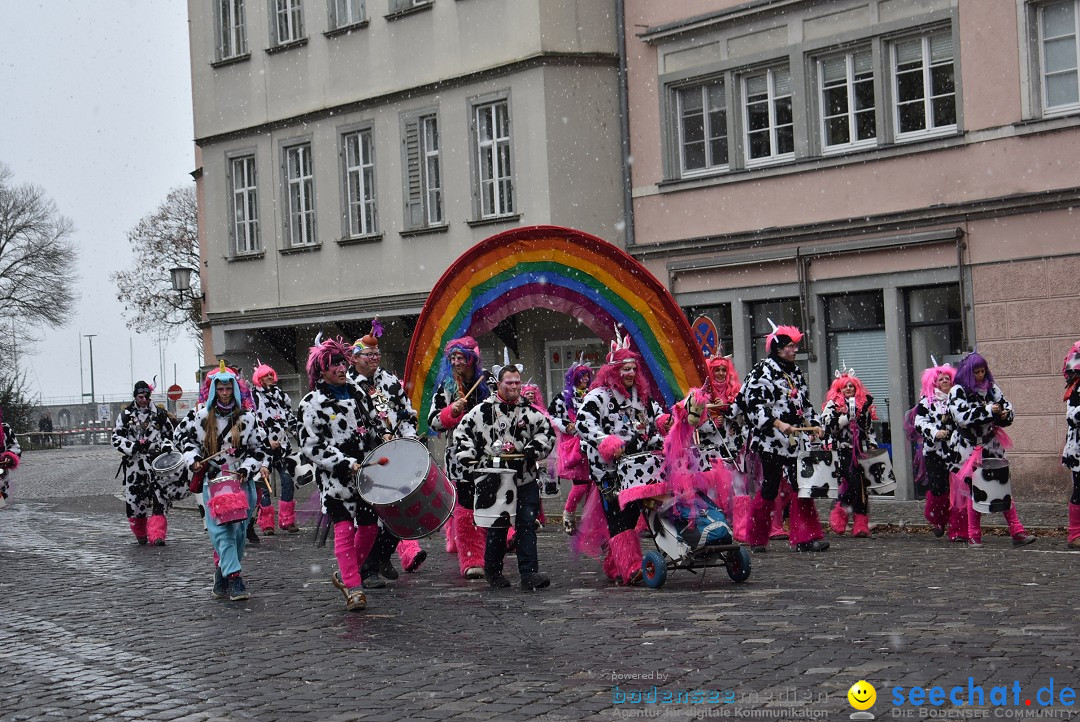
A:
[791, 332]
[930, 378]
[538, 396]
[263, 376]
[727, 391]
[1072, 361]
[319, 358]
[608, 375]
[466, 345]
[836, 393]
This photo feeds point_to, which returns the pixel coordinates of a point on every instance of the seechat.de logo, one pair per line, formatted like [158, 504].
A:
[862, 696]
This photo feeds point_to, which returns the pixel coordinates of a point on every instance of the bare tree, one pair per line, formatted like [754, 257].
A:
[167, 238]
[37, 263]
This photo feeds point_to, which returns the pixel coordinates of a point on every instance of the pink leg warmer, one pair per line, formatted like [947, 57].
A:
[364, 540]
[760, 511]
[838, 519]
[741, 528]
[958, 523]
[776, 522]
[937, 510]
[1074, 522]
[974, 524]
[157, 527]
[805, 525]
[610, 570]
[642, 525]
[407, 549]
[265, 519]
[450, 532]
[470, 540]
[575, 497]
[345, 552]
[137, 524]
[626, 550]
[1016, 529]
[286, 514]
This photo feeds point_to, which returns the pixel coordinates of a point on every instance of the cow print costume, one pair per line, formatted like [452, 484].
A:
[10, 456]
[930, 417]
[846, 420]
[273, 407]
[1070, 456]
[140, 434]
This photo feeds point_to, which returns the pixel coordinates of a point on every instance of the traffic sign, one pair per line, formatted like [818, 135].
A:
[706, 336]
[175, 392]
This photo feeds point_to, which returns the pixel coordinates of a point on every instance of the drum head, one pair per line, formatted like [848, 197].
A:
[406, 468]
[167, 462]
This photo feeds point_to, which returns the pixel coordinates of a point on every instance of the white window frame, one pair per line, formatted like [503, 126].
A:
[245, 204]
[288, 21]
[711, 166]
[771, 100]
[232, 33]
[928, 131]
[300, 195]
[344, 13]
[849, 86]
[494, 184]
[1047, 109]
[431, 170]
[358, 161]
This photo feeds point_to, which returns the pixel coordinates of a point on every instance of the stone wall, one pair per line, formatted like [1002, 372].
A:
[1025, 321]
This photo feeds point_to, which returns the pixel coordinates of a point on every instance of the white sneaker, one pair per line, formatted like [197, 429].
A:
[569, 525]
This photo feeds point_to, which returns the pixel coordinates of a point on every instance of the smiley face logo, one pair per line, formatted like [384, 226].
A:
[862, 695]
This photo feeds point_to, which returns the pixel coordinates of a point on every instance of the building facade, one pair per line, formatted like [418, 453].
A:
[897, 177]
[350, 150]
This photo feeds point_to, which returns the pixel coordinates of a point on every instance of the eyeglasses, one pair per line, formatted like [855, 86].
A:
[142, 396]
[370, 354]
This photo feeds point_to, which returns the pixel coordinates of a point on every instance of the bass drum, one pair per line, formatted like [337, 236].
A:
[407, 489]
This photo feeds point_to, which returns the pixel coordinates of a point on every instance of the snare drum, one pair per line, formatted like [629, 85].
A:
[877, 469]
[991, 489]
[409, 492]
[170, 470]
[228, 499]
[641, 476]
[495, 505]
[818, 477]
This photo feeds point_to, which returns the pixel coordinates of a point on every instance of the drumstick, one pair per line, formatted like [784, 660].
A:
[467, 393]
[804, 428]
[381, 461]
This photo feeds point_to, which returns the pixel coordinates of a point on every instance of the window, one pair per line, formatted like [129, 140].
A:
[1058, 50]
[855, 334]
[767, 117]
[232, 36]
[782, 312]
[344, 13]
[423, 170]
[924, 90]
[288, 22]
[703, 133]
[403, 6]
[245, 204]
[301, 193]
[935, 328]
[359, 183]
[496, 192]
[847, 100]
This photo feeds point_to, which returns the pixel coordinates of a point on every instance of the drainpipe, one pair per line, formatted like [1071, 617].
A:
[624, 123]
[965, 307]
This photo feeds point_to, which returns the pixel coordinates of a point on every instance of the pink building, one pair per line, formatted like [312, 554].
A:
[897, 177]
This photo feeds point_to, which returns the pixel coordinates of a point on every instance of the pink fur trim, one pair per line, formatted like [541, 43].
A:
[157, 527]
[663, 423]
[224, 504]
[644, 491]
[610, 446]
[407, 549]
[626, 553]
[471, 540]
[12, 458]
[592, 529]
[286, 513]
[265, 519]
[447, 418]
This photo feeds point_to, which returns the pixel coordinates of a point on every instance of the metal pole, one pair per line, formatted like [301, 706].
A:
[91, 337]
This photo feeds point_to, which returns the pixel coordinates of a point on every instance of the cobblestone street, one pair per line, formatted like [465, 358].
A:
[97, 627]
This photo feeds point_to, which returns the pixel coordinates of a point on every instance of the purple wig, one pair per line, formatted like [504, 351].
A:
[965, 373]
[573, 375]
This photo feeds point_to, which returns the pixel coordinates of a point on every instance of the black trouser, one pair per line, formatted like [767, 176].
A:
[385, 544]
[937, 474]
[528, 508]
[1075, 498]
[774, 470]
[618, 519]
[854, 495]
[466, 493]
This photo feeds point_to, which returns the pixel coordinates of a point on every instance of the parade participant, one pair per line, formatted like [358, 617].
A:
[617, 417]
[462, 384]
[224, 437]
[10, 455]
[571, 462]
[507, 424]
[142, 432]
[534, 397]
[846, 416]
[398, 421]
[776, 402]
[934, 424]
[337, 430]
[980, 414]
[1070, 457]
[273, 407]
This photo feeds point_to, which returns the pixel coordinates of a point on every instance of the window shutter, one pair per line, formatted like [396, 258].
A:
[414, 188]
[865, 351]
[941, 48]
[834, 70]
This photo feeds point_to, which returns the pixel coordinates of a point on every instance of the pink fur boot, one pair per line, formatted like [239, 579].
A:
[805, 525]
[1074, 526]
[265, 520]
[958, 524]
[937, 512]
[626, 550]
[471, 540]
[760, 512]
[838, 520]
[776, 525]
[345, 553]
[410, 554]
[861, 528]
[741, 518]
[137, 524]
[287, 516]
[156, 529]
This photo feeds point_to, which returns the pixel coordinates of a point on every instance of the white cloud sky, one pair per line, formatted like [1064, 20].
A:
[96, 109]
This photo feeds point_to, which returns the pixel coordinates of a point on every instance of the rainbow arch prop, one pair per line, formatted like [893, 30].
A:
[562, 270]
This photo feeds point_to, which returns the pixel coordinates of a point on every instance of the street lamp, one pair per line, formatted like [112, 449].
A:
[91, 337]
[181, 280]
